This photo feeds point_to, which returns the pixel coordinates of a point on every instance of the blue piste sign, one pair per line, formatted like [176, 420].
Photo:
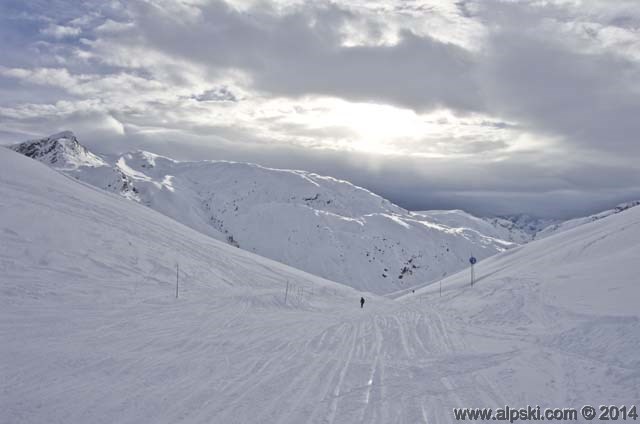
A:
[472, 260]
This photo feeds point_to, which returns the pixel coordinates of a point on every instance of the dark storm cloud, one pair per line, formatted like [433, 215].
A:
[591, 99]
[300, 54]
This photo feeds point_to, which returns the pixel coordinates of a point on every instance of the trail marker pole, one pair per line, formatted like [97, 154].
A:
[442, 278]
[177, 278]
[286, 293]
[472, 261]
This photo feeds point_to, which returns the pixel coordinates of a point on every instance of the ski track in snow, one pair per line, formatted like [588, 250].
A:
[194, 360]
[203, 359]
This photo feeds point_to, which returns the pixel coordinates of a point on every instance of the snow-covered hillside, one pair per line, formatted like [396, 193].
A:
[523, 226]
[558, 316]
[90, 326]
[318, 224]
[572, 223]
[518, 229]
[92, 332]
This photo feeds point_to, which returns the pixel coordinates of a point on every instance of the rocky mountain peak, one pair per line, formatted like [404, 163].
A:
[61, 150]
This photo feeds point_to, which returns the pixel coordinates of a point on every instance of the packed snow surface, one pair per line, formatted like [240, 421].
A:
[92, 331]
[319, 224]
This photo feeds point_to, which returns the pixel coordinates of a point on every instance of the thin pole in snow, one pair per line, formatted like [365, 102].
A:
[177, 278]
[286, 293]
[472, 261]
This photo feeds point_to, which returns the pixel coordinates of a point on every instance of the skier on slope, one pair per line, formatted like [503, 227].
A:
[361, 302]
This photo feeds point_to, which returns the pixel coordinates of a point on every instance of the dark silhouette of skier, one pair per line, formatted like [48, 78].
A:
[361, 302]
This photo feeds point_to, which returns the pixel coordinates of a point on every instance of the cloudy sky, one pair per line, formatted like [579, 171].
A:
[494, 106]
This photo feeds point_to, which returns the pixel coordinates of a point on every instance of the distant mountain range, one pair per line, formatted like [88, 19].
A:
[318, 224]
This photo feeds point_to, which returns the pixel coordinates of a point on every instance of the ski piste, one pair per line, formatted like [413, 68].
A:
[92, 330]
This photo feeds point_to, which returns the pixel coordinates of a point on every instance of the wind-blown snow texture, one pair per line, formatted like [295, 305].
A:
[318, 224]
[91, 330]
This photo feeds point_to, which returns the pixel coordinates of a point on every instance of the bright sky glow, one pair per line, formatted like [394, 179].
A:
[525, 98]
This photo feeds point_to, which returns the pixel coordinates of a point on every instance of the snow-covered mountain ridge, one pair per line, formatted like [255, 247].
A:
[319, 224]
[521, 228]
[524, 226]
[576, 222]
[517, 229]
[61, 150]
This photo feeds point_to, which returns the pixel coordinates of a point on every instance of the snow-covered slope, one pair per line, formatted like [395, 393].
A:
[523, 226]
[558, 315]
[572, 223]
[319, 224]
[71, 233]
[518, 229]
[92, 332]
